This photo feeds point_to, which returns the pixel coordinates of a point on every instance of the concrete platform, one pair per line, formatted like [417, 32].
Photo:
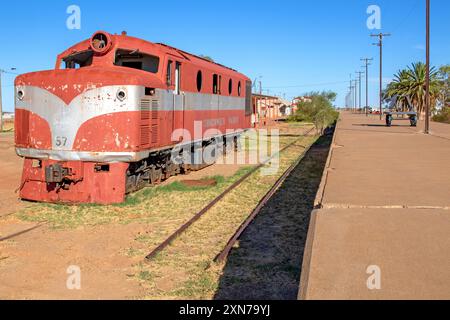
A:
[385, 203]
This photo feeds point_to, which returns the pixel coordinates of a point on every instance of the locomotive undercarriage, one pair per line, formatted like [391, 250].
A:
[159, 166]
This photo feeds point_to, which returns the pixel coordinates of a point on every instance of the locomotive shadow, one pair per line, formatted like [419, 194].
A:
[267, 263]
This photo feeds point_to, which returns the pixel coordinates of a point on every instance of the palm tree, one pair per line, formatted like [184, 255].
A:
[411, 83]
[398, 87]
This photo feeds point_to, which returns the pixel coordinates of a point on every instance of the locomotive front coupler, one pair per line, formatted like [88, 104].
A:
[56, 173]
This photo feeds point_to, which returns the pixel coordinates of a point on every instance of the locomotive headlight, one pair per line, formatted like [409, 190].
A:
[101, 42]
[121, 95]
[20, 94]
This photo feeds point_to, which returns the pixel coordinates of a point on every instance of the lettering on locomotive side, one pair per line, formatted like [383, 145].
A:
[213, 123]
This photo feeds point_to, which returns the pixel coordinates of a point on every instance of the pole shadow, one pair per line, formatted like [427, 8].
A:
[267, 263]
[378, 125]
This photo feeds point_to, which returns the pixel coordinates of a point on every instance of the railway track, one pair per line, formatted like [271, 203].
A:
[216, 200]
[226, 251]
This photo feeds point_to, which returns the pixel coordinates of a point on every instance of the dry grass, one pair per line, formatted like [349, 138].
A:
[8, 126]
[192, 253]
[171, 204]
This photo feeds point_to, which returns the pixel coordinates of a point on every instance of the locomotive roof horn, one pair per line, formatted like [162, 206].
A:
[101, 42]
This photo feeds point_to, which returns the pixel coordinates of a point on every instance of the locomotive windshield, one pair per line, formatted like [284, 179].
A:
[79, 59]
[137, 60]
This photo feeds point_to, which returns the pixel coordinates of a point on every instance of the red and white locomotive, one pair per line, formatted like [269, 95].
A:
[100, 125]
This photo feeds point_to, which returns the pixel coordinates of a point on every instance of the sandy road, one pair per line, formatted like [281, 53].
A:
[10, 173]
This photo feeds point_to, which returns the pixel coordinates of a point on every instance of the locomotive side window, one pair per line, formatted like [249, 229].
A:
[215, 84]
[169, 73]
[79, 59]
[177, 78]
[230, 87]
[199, 81]
[248, 98]
[239, 88]
[137, 60]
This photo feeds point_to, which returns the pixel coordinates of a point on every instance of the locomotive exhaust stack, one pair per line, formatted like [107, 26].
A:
[100, 124]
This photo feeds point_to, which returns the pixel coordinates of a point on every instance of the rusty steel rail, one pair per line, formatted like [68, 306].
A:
[195, 218]
[226, 251]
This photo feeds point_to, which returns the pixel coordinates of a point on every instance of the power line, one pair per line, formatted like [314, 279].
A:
[307, 85]
[359, 73]
[406, 17]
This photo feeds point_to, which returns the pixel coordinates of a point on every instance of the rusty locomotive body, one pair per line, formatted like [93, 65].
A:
[104, 122]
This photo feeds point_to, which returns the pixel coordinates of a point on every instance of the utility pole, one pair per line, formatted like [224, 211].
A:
[366, 65]
[353, 95]
[359, 73]
[427, 98]
[380, 37]
[349, 102]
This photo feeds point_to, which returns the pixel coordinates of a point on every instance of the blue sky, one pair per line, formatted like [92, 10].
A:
[296, 46]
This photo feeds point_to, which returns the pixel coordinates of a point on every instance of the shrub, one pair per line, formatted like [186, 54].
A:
[443, 115]
[319, 111]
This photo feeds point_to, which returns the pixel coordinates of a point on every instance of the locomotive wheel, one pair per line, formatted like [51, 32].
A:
[172, 170]
[155, 176]
[185, 169]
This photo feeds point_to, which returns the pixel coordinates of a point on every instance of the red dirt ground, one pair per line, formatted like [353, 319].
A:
[11, 169]
[34, 259]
